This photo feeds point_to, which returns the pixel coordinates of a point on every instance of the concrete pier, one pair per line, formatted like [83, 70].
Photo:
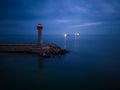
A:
[46, 50]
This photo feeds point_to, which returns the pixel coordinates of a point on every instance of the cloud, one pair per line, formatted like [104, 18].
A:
[9, 22]
[109, 7]
[59, 14]
[86, 24]
[66, 20]
[95, 7]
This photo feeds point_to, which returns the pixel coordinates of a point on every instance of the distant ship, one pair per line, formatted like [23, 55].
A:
[77, 34]
[65, 35]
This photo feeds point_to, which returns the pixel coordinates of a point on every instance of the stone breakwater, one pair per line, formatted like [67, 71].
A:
[45, 50]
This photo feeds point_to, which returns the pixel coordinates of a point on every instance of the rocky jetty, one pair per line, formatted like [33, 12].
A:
[44, 50]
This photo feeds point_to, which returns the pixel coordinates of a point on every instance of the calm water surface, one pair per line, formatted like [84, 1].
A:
[93, 63]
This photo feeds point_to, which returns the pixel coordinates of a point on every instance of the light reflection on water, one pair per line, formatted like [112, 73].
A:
[75, 42]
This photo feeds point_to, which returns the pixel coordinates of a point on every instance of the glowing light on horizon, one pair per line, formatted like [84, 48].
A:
[65, 35]
[77, 34]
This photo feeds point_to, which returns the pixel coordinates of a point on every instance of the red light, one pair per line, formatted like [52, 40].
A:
[39, 26]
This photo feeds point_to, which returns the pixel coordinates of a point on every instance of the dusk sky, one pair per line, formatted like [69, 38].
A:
[60, 16]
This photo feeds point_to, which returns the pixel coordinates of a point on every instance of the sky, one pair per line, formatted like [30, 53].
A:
[60, 16]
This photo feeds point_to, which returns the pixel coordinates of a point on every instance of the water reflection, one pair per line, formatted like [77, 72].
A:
[76, 43]
[41, 62]
[74, 39]
[65, 43]
[65, 37]
[41, 67]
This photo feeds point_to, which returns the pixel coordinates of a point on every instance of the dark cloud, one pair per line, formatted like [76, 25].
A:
[58, 14]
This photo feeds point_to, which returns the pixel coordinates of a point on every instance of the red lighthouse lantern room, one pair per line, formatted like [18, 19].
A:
[39, 27]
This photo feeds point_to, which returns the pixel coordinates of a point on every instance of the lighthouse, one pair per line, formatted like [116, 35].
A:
[39, 28]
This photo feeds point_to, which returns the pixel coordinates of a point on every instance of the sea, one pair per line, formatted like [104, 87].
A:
[93, 63]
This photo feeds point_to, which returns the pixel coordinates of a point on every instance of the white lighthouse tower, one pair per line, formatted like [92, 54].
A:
[39, 28]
